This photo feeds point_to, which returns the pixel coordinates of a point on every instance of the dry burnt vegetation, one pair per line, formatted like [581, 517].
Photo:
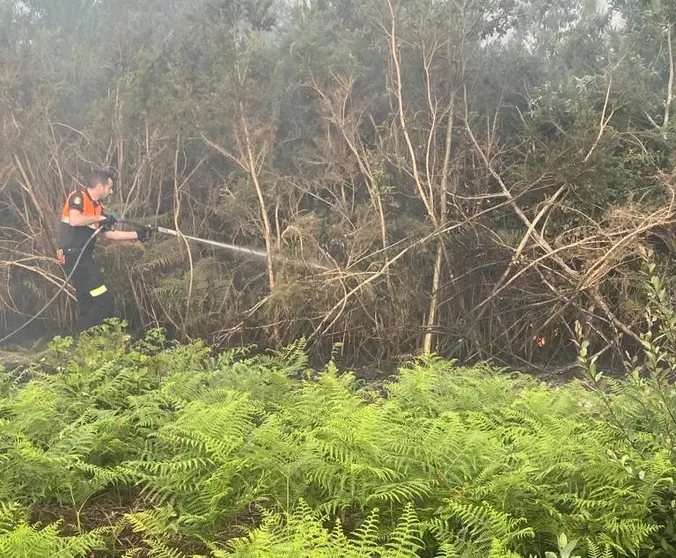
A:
[475, 175]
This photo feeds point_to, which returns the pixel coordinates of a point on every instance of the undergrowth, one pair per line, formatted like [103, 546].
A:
[152, 449]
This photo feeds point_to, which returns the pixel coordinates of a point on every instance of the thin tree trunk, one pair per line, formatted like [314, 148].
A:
[670, 85]
[267, 228]
[402, 118]
[428, 343]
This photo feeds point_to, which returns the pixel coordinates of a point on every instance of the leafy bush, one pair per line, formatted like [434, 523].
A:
[161, 449]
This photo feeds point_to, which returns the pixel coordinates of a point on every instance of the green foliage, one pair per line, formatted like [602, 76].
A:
[642, 406]
[20, 539]
[303, 534]
[266, 457]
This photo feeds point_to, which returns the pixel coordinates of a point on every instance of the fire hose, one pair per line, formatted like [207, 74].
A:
[162, 230]
[232, 247]
[56, 294]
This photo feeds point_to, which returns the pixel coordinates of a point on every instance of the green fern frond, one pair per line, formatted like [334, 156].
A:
[27, 541]
[499, 550]
[367, 535]
[155, 523]
[303, 534]
[627, 535]
[598, 551]
[406, 539]
[11, 513]
[400, 492]
[159, 549]
[479, 526]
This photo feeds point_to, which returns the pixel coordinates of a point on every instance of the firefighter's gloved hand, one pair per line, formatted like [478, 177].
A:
[111, 221]
[144, 234]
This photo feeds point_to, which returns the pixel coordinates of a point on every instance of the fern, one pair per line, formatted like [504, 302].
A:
[598, 551]
[193, 450]
[478, 528]
[11, 513]
[22, 540]
[405, 541]
[303, 534]
[158, 529]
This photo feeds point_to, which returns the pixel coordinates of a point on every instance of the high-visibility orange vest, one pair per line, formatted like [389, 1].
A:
[90, 208]
[75, 238]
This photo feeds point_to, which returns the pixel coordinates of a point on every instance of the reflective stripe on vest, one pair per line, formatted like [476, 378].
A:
[98, 291]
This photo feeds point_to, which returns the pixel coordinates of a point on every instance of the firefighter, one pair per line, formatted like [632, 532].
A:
[82, 215]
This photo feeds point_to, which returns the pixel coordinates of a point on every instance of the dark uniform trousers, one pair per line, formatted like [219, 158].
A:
[95, 302]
